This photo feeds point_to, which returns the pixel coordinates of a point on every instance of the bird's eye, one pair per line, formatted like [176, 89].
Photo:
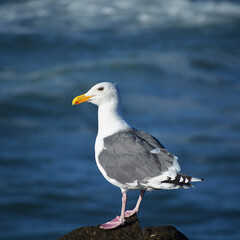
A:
[100, 89]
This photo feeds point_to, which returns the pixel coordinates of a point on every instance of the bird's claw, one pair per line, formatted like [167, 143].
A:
[113, 223]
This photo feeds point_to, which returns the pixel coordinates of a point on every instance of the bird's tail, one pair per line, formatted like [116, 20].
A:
[183, 181]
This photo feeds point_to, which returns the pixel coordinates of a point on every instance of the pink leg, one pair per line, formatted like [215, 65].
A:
[129, 213]
[117, 221]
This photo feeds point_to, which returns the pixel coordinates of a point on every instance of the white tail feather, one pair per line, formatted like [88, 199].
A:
[193, 179]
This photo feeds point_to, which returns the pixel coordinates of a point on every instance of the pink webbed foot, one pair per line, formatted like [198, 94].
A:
[130, 213]
[113, 223]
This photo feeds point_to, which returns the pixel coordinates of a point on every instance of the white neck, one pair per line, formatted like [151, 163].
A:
[110, 120]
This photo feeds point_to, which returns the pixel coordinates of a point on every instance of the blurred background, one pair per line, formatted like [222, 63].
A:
[177, 65]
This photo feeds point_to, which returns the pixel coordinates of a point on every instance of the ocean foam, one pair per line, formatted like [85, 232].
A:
[122, 16]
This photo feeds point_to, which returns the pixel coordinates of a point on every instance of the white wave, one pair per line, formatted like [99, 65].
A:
[75, 16]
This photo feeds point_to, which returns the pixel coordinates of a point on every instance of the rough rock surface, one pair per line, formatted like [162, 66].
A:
[130, 231]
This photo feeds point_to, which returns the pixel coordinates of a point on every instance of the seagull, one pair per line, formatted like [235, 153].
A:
[128, 158]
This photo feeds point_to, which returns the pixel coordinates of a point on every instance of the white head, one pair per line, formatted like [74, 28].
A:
[105, 96]
[100, 94]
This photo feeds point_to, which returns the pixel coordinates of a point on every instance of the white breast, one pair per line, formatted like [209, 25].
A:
[109, 122]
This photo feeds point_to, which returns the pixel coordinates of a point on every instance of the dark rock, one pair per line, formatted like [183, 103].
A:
[130, 231]
[162, 233]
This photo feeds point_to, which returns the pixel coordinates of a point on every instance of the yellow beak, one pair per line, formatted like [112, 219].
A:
[80, 99]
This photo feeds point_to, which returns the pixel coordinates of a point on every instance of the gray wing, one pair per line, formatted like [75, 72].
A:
[127, 157]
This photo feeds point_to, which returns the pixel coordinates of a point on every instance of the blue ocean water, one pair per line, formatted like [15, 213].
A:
[177, 65]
